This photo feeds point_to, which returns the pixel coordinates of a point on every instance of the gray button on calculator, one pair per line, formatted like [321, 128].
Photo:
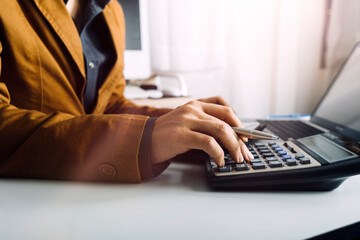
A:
[268, 155]
[274, 164]
[241, 167]
[291, 162]
[255, 160]
[305, 160]
[226, 168]
[259, 165]
[268, 159]
[229, 162]
[259, 145]
[265, 151]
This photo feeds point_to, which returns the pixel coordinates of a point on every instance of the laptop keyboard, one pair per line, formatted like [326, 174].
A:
[290, 129]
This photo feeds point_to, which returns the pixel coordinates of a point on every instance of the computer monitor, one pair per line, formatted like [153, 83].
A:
[137, 52]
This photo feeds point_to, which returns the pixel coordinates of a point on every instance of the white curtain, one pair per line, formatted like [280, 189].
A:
[262, 56]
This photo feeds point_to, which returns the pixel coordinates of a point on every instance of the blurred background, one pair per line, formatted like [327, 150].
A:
[264, 57]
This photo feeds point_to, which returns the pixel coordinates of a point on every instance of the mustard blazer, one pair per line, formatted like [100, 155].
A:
[44, 131]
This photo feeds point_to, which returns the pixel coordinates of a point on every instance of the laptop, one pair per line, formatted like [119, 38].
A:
[338, 111]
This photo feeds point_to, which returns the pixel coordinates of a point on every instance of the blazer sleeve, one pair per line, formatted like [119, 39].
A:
[62, 146]
[118, 104]
[99, 147]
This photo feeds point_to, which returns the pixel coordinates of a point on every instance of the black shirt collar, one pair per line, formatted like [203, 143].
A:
[101, 3]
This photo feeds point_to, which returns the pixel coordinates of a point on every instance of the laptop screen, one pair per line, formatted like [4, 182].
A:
[339, 109]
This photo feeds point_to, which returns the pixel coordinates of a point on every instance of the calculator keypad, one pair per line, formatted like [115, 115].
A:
[268, 157]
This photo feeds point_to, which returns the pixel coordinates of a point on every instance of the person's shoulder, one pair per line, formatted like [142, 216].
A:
[114, 12]
[115, 5]
[8, 5]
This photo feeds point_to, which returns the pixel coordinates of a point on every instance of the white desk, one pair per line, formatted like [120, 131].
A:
[176, 205]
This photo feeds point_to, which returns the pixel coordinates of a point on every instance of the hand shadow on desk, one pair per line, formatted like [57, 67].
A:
[193, 157]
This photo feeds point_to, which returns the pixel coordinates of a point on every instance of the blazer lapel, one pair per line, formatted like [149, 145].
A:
[59, 18]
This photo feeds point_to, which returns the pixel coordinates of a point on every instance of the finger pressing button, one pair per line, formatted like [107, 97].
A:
[107, 170]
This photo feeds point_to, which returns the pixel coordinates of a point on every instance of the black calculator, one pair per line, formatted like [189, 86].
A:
[293, 165]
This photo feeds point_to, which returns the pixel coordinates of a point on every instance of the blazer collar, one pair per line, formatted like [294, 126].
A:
[58, 17]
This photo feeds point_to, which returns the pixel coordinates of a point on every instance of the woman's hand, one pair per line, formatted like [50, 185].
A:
[203, 125]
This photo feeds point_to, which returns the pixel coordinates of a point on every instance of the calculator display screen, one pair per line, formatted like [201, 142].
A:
[328, 150]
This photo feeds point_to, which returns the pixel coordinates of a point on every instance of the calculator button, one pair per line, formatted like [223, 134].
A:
[226, 168]
[286, 157]
[299, 155]
[271, 143]
[291, 162]
[305, 160]
[229, 162]
[268, 159]
[262, 148]
[275, 164]
[259, 145]
[255, 160]
[252, 152]
[292, 150]
[275, 146]
[227, 157]
[278, 149]
[268, 155]
[282, 153]
[259, 165]
[241, 167]
[255, 156]
[285, 144]
[265, 151]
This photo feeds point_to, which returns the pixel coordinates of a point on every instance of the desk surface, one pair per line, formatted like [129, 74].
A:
[176, 205]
